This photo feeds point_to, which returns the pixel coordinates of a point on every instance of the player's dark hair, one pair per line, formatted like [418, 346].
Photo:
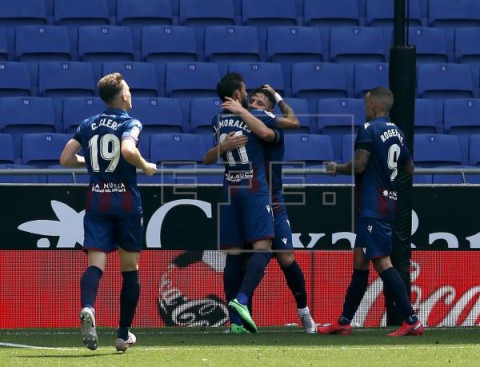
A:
[230, 83]
[383, 96]
[266, 93]
[109, 86]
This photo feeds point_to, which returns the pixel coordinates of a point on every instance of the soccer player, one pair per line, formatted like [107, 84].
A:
[246, 217]
[113, 216]
[380, 152]
[264, 98]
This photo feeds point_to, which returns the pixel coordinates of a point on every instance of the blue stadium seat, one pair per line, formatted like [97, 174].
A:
[256, 74]
[70, 178]
[162, 44]
[231, 44]
[22, 12]
[426, 121]
[431, 44]
[206, 12]
[15, 79]
[474, 150]
[81, 13]
[467, 47]
[7, 153]
[76, 109]
[454, 13]
[42, 43]
[368, 76]
[43, 149]
[66, 79]
[141, 13]
[327, 13]
[444, 81]
[357, 44]
[176, 148]
[22, 115]
[202, 111]
[140, 76]
[158, 115]
[434, 150]
[19, 178]
[5, 51]
[380, 13]
[191, 79]
[314, 80]
[105, 43]
[303, 113]
[337, 117]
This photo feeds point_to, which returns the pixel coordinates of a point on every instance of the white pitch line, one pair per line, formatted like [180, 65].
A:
[14, 345]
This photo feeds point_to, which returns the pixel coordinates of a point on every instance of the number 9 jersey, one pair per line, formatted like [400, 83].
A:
[113, 181]
[375, 188]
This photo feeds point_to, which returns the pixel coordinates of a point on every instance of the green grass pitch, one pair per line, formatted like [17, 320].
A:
[286, 346]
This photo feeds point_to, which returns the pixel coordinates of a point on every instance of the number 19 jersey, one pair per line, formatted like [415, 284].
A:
[113, 181]
[375, 188]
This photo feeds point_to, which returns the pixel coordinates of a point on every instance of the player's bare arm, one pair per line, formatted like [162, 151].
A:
[132, 155]
[257, 126]
[356, 166]
[289, 120]
[69, 157]
[231, 142]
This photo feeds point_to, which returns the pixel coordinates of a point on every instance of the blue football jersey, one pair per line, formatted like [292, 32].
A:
[274, 156]
[113, 181]
[244, 167]
[375, 188]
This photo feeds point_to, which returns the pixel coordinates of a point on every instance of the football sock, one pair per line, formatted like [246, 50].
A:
[232, 280]
[395, 287]
[128, 301]
[253, 275]
[89, 286]
[355, 292]
[296, 283]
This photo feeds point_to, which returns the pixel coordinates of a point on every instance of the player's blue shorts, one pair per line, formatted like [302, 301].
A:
[107, 232]
[245, 219]
[283, 232]
[374, 236]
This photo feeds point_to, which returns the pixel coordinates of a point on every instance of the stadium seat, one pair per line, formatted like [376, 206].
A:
[70, 178]
[76, 109]
[81, 13]
[474, 150]
[176, 148]
[229, 44]
[315, 80]
[140, 76]
[22, 12]
[454, 13]
[7, 153]
[15, 79]
[433, 150]
[21, 178]
[22, 115]
[202, 112]
[294, 44]
[431, 44]
[162, 44]
[158, 115]
[5, 51]
[426, 121]
[379, 13]
[444, 81]
[206, 12]
[191, 79]
[357, 44]
[327, 13]
[467, 47]
[368, 76]
[66, 79]
[337, 117]
[303, 113]
[43, 149]
[42, 43]
[137, 14]
[105, 43]
[256, 74]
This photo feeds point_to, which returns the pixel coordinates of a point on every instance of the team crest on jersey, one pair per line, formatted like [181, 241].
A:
[284, 240]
